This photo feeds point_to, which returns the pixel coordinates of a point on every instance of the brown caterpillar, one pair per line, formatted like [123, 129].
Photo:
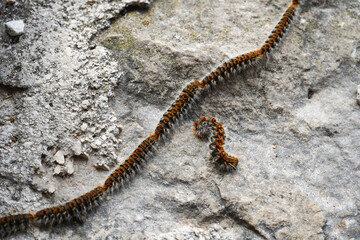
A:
[240, 62]
[131, 164]
[81, 205]
[203, 128]
[74, 208]
[11, 223]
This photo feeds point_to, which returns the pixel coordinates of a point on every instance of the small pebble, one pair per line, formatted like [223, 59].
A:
[84, 156]
[59, 157]
[83, 127]
[77, 149]
[15, 28]
[96, 144]
[70, 167]
[57, 170]
[51, 189]
[85, 104]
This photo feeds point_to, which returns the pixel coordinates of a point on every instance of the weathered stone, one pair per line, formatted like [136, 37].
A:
[15, 28]
[58, 170]
[85, 104]
[59, 157]
[293, 121]
[77, 148]
[69, 167]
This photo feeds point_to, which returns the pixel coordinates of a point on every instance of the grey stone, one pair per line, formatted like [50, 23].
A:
[83, 127]
[358, 95]
[15, 28]
[85, 104]
[77, 148]
[59, 157]
[58, 170]
[292, 121]
[65, 169]
[62, 171]
[96, 144]
[69, 167]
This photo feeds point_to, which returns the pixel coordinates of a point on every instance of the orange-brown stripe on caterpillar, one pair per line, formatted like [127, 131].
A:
[11, 223]
[191, 88]
[109, 183]
[133, 161]
[220, 72]
[116, 177]
[176, 109]
[223, 70]
[280, 29]
[42, 215]
[140, 153]
[147, 144]
[70, 209]
[126, 166]
[170, 115]
[203, 128]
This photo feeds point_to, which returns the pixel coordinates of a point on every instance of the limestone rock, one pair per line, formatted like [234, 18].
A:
[15, 28]
[77, 148]
[59, 157]
[69, 167]
[292, 121]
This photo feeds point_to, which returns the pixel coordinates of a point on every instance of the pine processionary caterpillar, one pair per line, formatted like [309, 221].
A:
[11, 223]
[240, 62]
[203, 128]
[70, 209]
[80, 205]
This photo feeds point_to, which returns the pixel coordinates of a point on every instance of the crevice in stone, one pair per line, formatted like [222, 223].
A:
[246, 224]
[311, 92]
[268, 230]
[11, 90]
[228, 211]
[325, 228]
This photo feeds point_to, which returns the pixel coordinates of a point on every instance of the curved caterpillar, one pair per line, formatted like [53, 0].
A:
[80, 205]
[202, 129]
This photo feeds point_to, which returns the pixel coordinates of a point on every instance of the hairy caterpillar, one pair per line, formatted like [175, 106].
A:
[202, 128]
[80, 205]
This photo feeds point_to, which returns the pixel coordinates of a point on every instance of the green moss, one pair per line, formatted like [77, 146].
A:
[310, 28]
[123, 41]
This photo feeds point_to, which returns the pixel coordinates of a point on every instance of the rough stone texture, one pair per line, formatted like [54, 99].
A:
[15, 28]
[68, 86]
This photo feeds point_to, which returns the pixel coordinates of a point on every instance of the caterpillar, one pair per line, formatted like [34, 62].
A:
[203, 128]
[79, 206]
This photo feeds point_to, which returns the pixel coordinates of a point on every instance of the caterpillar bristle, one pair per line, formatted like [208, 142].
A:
[204, 128]
[11, 223]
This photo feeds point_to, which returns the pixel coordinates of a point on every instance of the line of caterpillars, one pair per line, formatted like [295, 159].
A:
[80, 205]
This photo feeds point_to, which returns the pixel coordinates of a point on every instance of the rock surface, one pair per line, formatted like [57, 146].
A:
[15, 28]
[69, 86]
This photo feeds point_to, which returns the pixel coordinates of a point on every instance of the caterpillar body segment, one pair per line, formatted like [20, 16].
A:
[210, 128]
[12, 223]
